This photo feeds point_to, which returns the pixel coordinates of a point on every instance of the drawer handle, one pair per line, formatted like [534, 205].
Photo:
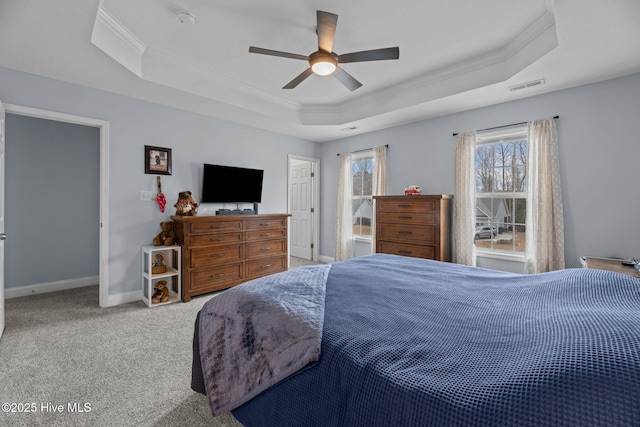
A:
[218, 226]
[218, 255]
[266, 266]
[265, 224]
[266, 235]
[405, 206]
[218, 275]
[265, 249]
[404, 217]
[219, 239]
[404, 252]
[405, 233]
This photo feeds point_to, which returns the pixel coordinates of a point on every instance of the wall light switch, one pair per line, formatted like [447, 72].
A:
[146, 195]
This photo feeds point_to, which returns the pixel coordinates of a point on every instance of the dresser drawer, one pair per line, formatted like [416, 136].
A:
[264, 266]
[422, 234]
[409, 205]
[215, 239]
[404, 249]
[261, 224]
[216, 277]
[202, 257]
[215, 227]
[267, 247]
[409, 217]
[265, 234]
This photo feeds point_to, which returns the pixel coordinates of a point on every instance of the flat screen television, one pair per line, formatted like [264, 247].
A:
[228, 184]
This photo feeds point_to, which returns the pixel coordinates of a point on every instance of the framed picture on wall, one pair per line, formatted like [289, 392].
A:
[157, 160]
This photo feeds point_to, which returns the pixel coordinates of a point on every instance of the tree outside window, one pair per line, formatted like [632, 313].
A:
[362, 194]
[501, 173]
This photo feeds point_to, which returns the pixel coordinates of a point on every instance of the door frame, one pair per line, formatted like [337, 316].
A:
[103, 126]
[315, 198]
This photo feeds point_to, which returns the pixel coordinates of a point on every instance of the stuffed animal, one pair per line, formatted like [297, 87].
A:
[186, 206]
[167, 236]
[161, 293]
[159, 265]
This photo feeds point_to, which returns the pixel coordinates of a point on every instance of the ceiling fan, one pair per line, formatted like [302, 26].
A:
[324, 61]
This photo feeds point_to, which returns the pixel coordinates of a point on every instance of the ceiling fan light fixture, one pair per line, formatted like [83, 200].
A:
[322, 68]
[323, 63]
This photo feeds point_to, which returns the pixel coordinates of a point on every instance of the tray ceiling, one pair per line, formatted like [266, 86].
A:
[454, 55]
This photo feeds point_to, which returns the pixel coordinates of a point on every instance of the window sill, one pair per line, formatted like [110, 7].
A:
[505, 256]
[362, 239]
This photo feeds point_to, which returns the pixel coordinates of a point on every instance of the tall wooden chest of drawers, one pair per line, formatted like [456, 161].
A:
[416, 226]
[219, 252]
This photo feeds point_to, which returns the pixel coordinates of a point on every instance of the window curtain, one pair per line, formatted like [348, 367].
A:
[344, 210]
[379, 185]
[544, 247]
[465, 200]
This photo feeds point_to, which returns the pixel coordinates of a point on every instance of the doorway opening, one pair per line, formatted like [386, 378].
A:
[103, 224]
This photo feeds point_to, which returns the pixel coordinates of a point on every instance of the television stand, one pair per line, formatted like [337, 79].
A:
[238, 211]
[235, 212]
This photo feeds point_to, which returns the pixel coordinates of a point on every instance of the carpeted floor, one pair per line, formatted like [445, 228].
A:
[64, 361]
[70, 362]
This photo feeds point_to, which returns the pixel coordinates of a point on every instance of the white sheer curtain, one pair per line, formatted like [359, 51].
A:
[344, 210]
[544, 247]
[379, 185]
[465, 200]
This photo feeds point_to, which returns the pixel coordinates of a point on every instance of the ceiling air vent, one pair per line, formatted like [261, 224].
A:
[526, 85]
[349, 129]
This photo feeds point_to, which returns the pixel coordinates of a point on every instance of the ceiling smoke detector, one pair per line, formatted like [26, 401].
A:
[186, 17]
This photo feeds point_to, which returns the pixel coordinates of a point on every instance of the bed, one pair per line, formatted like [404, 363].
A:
[412, 342]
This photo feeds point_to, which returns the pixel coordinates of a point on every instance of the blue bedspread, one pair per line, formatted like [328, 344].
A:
[411, 342]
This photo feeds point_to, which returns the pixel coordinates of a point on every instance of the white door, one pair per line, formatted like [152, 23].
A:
[2, 235]
[300, 199]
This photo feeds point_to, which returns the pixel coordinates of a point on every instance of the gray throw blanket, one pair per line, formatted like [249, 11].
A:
[258, 333]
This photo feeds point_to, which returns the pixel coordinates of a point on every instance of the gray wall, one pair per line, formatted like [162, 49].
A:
[599, 151]
[52, 201]
[599, 160]
[194, 139]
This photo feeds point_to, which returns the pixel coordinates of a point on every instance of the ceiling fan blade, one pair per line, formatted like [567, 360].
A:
[370, 55]
[299, 79]
[347, 79]
[270, 52]
[326, 30]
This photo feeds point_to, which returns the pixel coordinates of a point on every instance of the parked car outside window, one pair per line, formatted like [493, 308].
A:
[485, 233]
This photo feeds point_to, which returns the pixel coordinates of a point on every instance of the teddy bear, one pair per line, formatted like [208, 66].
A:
[186, 206]
[161, 293]
[167, 236]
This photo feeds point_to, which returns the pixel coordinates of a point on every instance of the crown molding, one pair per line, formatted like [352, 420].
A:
[162, 68]
[111, 36]
[488, 68]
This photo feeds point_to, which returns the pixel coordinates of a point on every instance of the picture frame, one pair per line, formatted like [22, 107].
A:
[157, 160]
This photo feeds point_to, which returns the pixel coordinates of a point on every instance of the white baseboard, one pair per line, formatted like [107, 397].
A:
[326, 259]
[41, 288]
[124, 298]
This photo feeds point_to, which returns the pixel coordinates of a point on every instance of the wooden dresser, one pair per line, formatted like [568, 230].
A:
[415, 226]
[219, 252]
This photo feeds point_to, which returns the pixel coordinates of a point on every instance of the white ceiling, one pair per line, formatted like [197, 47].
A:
[454, 54]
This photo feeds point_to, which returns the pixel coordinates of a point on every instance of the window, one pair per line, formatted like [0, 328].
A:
[501, 192]
[362, 193]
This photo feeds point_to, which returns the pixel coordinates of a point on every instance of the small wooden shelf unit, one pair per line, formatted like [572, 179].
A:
[171, 275]
[219, 252]
[416, 226]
